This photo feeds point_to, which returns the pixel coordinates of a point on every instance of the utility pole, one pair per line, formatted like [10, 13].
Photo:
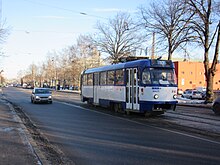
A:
[0, 13]
[1, 82]
[153, 47]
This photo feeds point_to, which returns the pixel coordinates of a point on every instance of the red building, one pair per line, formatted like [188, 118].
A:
[191, 75]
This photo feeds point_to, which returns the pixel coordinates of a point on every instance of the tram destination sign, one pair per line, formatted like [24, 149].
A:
[161, 63]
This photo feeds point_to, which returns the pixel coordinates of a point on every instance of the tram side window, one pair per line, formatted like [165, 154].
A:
[90, 79]
[103, 78]
[119, 77]
[110, 77]
[85, 79]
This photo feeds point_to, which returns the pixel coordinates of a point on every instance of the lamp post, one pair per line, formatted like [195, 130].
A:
[1, 76]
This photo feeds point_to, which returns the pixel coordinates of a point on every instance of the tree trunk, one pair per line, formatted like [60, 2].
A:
[169, 53]
[209, 87]
[210, 72]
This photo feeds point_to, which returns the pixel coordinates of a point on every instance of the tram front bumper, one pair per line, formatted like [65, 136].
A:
[158, 106]
[164, 107]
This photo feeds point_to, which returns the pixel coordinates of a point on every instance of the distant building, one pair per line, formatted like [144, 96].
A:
[192, 74]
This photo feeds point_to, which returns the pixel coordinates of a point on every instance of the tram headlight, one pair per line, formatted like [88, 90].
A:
[174, 96]
[156, 96]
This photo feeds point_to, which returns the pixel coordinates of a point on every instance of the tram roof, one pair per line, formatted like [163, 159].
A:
[131, 64]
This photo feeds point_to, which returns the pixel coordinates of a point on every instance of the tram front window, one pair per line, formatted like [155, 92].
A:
[158, 76]
[146, 77]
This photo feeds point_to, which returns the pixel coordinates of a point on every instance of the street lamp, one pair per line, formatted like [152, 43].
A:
[1, 76]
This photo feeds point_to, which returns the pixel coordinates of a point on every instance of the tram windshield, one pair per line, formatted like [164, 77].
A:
[160, 76]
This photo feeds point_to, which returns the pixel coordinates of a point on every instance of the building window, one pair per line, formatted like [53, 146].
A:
[182, 81]
[200, 82]
[200, 73]
[190, 82]
[182, 72]
[191, 72]
[216, 82]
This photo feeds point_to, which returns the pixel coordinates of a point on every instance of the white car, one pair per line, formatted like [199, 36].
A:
[41, 95]
[192, 94]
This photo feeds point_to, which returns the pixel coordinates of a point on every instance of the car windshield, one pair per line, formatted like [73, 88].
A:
[158, 76]
[196, 92]
[42, 91]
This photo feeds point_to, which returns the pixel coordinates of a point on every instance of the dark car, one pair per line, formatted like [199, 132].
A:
[216, 106]
[41, 95]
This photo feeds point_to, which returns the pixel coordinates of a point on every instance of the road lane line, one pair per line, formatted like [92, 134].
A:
[132, 121]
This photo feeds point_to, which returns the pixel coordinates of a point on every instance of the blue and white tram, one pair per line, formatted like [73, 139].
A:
[143, 86]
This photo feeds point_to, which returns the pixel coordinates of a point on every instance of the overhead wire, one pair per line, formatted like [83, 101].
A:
[59, 8]
[64, 9]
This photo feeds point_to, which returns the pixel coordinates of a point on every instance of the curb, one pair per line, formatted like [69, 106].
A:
[208, 106]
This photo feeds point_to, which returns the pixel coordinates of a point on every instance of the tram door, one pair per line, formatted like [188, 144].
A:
[132, 89]
[95, 88]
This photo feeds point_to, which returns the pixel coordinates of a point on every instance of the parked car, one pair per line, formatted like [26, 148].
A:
[41, 95]
[216, 106]
[179, 91]
[203, 94]
[192, 94]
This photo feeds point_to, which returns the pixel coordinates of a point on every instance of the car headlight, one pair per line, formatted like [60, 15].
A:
[50, 97]
[174, 96]
[156, 96]
[37, 97]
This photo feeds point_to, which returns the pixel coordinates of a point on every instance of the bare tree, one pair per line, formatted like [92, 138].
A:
[84, 55]
[205, 25]
[168, 19]
[4, 32]
[119, 37]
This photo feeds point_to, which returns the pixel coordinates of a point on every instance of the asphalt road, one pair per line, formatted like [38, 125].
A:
[91, 137]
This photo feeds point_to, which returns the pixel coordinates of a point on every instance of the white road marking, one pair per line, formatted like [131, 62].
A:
[164, 129]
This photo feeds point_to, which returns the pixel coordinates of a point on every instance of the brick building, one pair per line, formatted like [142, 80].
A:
[191, 75]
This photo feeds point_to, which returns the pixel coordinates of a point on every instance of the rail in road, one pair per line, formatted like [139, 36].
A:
[199, 118]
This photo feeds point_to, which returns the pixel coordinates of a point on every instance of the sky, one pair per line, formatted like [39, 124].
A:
[38, 27]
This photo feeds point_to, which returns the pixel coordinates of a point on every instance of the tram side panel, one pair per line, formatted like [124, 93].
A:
[105, 94]
[117, 94]
[87, 93]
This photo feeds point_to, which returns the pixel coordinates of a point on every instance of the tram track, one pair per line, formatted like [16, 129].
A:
[190, 117]
[195, 120]
[208, 126]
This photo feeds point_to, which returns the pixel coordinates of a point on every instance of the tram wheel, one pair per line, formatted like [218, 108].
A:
[147, 114]
[117, 107]
[127, 112]
[89, 103]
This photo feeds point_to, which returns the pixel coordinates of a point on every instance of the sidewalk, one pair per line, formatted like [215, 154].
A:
[14, 146]
[193, 103]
